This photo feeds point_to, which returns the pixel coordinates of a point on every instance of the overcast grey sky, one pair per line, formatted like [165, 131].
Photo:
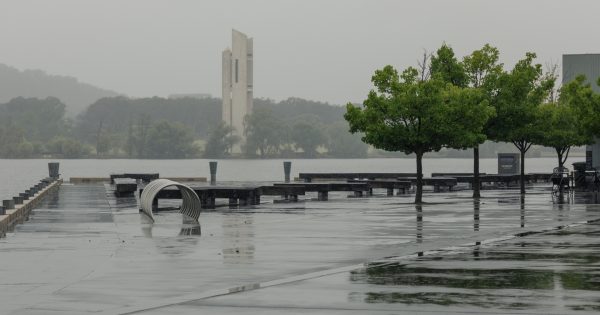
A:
[322, 50]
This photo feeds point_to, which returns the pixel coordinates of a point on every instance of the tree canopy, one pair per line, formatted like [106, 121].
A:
[519, 94]
[566, 121]
[416, 113]
[264, 132]
[479, 70]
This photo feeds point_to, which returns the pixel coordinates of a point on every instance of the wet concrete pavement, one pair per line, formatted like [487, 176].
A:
[556, 272]
[86, 251]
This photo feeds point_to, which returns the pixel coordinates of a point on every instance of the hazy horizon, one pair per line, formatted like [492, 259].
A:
[318, 50]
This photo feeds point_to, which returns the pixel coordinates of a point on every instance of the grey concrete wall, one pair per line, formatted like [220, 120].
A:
[588, 65]
[20, 212]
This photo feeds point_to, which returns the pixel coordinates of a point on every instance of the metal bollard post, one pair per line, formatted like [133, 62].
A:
[287, 168]
[18, 200]
[53, 169]
[213, 172]
[8, 204]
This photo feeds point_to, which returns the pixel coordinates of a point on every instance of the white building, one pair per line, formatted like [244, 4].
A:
[237, 83]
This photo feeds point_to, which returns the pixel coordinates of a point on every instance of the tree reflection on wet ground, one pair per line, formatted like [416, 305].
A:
[528, 273]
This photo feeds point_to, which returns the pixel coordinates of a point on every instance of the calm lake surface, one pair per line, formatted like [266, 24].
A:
[19, 175]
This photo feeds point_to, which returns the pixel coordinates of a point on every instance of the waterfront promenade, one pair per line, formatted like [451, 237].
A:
[85, 251]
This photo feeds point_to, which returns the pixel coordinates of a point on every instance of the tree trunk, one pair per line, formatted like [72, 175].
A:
[476, 184]
[559, 153]
[419, 195]
[522, 179]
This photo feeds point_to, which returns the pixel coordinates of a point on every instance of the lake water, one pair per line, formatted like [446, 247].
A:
[19, 175]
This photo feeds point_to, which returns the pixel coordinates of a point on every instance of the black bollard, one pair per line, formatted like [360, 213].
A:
[2, 210]
[53, 169]
[213, 172]
[8, 204]
[287, 168]
[18, 200]
[24, 196]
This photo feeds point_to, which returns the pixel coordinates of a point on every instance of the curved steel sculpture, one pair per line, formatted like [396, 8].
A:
[191, 202]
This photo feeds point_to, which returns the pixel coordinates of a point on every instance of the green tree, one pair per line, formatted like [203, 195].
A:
[67, 147]
[478, 72]
[343, 144]
[170, 140]
[264, 133]
[519, 95]
[564, 121]
[414, 113]
[482, 70]
[307, 136]
[11, 138]
[445, 65]
[139, 135]
[220, 141]
[40, 119]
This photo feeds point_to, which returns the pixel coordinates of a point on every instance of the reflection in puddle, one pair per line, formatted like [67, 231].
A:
[173, 234]
[238, 239]
[476, 207]
[557, 268]
[419, 209]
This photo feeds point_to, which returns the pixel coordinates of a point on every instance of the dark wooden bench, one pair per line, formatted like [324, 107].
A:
[288, 193]
[454, 174]
[536, 177]
[309, 177]
[145, 177]
[436, 182]
[208, 195]
[323, 189]
[125, 186]
[390, 185]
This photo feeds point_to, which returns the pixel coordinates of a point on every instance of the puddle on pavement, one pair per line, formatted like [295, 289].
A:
[529, 273]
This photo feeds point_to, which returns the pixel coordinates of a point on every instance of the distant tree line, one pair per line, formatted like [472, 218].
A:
[173, 128]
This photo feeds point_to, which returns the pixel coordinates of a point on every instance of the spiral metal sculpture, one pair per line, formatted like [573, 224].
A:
[191, 202]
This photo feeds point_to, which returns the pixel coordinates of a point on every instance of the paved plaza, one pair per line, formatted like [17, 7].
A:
[85, 251]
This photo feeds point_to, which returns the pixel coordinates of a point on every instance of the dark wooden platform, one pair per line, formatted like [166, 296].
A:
[238, 195]
[309, 177]
[145, 177]
[323, 189]
[125, 186]
[505, 180]
[453, 174]
[401, 185]
[436, 182]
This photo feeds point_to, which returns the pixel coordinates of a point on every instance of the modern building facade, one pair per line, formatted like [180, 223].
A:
[237, 83]
[588, 65]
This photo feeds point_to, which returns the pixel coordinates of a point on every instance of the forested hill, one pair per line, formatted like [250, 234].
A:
[77, 96]
[200, 115]
[172, 128]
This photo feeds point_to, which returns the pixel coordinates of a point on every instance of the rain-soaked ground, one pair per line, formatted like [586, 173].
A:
[84, 251]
